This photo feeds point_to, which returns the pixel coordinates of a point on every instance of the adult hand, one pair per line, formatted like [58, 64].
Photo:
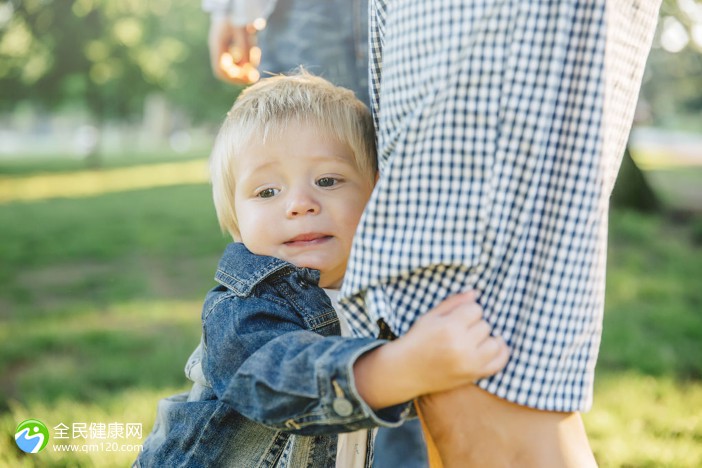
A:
[234, 56]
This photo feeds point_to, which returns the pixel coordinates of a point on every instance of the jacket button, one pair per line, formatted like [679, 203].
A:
[342, 407]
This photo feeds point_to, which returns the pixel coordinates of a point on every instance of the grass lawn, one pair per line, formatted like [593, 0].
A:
[100, 304]
[648, 391]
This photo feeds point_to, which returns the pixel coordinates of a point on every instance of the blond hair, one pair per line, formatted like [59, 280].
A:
[265, 109]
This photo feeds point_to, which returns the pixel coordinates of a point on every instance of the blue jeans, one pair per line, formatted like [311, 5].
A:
[402, 446]
[328, 37]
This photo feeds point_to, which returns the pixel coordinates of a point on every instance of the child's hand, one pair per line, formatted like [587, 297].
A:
[448, 347]
[452, 345]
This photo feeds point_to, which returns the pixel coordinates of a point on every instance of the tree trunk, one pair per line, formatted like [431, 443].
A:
[632, 190]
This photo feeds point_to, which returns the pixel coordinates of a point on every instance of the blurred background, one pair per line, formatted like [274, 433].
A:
[108, 237]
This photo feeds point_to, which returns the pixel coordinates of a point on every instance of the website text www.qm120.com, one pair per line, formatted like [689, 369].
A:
[98, 447]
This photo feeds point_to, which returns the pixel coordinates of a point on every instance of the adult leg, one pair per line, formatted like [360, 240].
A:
[471, 427]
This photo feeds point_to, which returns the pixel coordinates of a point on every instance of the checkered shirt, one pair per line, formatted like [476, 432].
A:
[501, 125]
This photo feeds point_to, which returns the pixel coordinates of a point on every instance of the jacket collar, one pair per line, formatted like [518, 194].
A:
[240, 270]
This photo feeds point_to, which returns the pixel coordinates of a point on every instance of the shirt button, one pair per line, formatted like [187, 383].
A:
[342, 407]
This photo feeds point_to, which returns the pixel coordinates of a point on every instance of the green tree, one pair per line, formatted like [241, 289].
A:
[632, 190]
[671, 92]
[107, 55]
[672, 86]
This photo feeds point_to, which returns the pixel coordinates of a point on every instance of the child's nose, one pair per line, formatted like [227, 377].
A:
[302, 204]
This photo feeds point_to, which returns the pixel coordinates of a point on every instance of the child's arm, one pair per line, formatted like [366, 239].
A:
[262, 360]
[270, 368]
[448, 347]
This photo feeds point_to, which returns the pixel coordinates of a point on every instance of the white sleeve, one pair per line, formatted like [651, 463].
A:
[241, 12]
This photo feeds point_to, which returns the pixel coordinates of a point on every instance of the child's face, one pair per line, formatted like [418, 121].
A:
[299, 198]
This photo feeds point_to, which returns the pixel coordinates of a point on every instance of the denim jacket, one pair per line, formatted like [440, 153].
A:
[277, 380]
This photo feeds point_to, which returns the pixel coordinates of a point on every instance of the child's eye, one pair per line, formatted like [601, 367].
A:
[267, 193]
[327, 182]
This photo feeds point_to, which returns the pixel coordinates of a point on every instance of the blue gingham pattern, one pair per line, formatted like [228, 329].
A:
[497, 155]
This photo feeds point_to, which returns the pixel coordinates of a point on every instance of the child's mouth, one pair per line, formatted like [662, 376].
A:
[308, 239]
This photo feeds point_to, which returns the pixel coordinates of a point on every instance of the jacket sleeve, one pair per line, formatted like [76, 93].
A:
[261, 360]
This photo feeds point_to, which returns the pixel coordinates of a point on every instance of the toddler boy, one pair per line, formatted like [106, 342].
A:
[292, 169]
